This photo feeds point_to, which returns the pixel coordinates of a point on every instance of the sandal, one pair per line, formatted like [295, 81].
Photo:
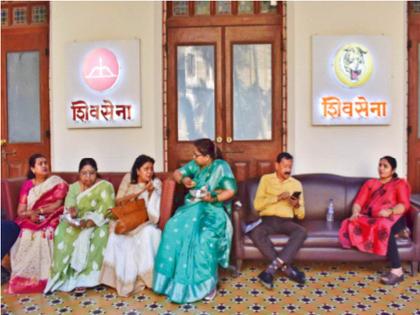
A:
[210, 297]
[391, 278]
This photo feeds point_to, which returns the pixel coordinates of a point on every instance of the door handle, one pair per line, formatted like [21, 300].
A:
[219, 139]
[229, 140]
[3, 142]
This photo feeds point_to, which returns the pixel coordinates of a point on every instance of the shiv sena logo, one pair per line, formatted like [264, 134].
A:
[100, 69]
[353, 65]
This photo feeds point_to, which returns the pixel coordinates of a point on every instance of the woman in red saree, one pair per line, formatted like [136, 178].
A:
[40, 206]
[378, 214]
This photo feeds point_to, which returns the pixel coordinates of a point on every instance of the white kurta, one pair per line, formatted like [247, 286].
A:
[129, 258]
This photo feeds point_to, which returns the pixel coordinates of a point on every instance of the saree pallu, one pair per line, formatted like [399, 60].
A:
[370, 233]
[78, 253]
[196, 239]
[31, 255]
[129, 258]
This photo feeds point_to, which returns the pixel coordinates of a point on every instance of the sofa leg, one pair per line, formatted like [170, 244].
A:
[414, 267]
[238, 267]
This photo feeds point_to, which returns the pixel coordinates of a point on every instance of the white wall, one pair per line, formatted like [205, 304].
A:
[346, 150]
[114, 149]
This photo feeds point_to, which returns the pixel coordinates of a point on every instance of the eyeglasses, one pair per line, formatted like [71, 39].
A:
[196, 155]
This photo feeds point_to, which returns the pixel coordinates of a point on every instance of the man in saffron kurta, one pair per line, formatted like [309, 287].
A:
[278, 200]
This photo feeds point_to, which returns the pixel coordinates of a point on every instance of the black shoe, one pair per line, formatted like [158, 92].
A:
[5, 275]
[294, 274]
[266, 279]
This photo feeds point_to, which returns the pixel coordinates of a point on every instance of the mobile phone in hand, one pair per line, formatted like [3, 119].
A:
[296, 194]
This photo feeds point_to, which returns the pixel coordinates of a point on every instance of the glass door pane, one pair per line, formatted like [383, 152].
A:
[196, 93]
[24, 123]
[252, 92]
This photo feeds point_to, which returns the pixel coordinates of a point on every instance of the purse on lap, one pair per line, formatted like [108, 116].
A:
[130, 215]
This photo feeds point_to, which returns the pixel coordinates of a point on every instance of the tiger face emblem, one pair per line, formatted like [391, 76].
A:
[353, 65]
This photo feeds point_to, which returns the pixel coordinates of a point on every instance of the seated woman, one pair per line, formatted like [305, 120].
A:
[129, 258]
[198, 237]
[378, 214]
[40, 206]
[78, 248]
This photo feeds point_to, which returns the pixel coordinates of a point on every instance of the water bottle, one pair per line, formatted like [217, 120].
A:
[330, 211]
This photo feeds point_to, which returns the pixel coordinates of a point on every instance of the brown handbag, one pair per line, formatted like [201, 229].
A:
[130, 215]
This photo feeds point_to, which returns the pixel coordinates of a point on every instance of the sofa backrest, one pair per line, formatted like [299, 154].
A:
[113, 177]
[317, 190]
[10, 189]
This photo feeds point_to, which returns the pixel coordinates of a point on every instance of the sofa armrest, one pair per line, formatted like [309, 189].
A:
[414, 217]
[238, 235]
[10, 189]
[166, 202]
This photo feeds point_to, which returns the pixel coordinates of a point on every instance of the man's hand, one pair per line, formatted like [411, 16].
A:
[294, 202]
[283, 196]
[188, 182]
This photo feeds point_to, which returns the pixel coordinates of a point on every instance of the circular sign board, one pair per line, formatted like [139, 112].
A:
[100, 69]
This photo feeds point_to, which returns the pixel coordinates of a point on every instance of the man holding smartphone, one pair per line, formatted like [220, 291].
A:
[278, 200]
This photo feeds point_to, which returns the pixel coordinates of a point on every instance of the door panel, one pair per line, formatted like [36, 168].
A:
[194, 85]
[224, 83]
[24, 98]
[253, 98]
[196, 90]
[414, 99]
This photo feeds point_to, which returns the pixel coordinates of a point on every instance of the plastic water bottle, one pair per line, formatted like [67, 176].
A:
[330, 211]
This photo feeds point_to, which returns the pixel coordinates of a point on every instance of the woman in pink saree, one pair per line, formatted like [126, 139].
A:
[40, 206]
[378, 214]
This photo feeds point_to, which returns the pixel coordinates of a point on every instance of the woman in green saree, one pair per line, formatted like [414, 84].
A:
[81, 237]
[198, 237]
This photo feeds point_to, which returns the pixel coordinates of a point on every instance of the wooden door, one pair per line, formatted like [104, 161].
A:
[224, 83]
[24, 96]
[194, 89]
[414, 96]
[253, 119]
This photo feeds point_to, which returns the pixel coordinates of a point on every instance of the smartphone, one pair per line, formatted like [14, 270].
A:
[296, 194]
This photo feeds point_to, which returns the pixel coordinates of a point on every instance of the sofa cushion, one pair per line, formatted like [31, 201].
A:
[320, 234]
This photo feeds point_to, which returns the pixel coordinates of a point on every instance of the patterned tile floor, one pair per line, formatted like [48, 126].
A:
[344, 288]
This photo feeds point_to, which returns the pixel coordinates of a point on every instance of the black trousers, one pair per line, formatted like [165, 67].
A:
[276, 225]
[392, 252]
[9, 234]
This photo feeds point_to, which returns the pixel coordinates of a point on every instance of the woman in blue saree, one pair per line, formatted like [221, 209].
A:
[198, 237]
